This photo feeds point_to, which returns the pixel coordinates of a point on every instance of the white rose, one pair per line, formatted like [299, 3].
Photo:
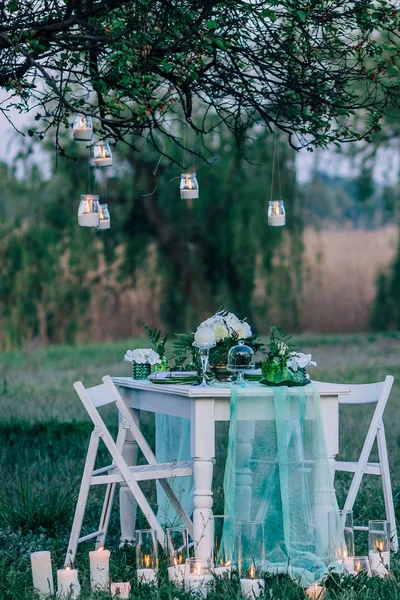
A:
[220, 331]
[152, 357]
[243, 329]
[299, 360]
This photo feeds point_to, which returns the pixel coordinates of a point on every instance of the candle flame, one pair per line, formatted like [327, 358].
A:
[198, 569]
[188, 182]
[178, 561]
[146, 560]
[252, 572]
[68, 568]
[358, 566]
[228, 564]
[276, 208]
[380, 546]
[100, 549]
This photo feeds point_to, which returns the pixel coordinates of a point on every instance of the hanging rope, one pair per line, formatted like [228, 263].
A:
[156, 168]
[273, 165]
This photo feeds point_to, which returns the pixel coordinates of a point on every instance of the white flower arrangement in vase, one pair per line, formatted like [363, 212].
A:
[142, 360]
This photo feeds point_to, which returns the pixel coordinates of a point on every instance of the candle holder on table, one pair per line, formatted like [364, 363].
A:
[204, 340]
[224, 544]
[146, 555]
[379, 547]
[341, 538]
[178, 553]
[251, 558]
[198, 576]
[240, 360]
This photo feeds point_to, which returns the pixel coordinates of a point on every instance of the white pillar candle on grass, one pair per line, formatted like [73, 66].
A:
[223, 571]
[67, 584]
[147, 575]
[124, 589]
[177, 574]
[42, 574]
[252, 588]
[204, 336]
[99, 568]
[379, 562]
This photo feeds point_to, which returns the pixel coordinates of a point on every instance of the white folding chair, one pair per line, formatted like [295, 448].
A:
[371, 393]
[119, 472]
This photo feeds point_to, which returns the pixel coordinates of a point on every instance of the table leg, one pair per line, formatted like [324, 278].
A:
[203, 453]
[127, 502]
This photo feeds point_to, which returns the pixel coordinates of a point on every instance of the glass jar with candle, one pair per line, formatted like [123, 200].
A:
[89, 211]
[251, 557]
[341, 538]
[104, 216]
[276, 213]
[379, 547]
[198, 575]
[224, 544]
[102, 155]
[361, 565]
[83, 128]
[178, 553]
[189, 186]
[146, 555]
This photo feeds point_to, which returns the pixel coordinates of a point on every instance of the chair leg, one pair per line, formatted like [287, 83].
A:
[105, 515]
[387, 486]
[82, 499]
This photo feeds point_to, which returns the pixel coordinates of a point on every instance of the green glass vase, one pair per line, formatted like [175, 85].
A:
[163, 366]
[141, 371]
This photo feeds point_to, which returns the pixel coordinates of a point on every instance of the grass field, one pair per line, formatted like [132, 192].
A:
[44, 434]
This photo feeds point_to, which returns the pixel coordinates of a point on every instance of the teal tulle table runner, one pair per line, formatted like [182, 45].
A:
[277, 471]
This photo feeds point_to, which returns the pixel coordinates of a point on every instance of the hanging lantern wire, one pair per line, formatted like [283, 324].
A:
[276, 208]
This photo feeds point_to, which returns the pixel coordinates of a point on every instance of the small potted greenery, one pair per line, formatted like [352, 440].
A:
[283, 365]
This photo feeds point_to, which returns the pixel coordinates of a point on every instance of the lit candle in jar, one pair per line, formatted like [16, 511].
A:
[276, 213]
[42, 573]
[252, 587]
[223, 569]
[67, 583]
[315, 591]
[379, 547]
[82, 129]
[146, 575]
[102, 156]
[99, 568]
[198, 577]
[189, 186]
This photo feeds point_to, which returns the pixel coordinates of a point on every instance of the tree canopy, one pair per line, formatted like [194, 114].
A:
[306, 67]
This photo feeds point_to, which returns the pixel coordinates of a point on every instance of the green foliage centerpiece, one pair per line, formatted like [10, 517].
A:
[283, 365]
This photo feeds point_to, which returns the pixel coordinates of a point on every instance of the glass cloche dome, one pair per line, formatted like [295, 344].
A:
[240, 359]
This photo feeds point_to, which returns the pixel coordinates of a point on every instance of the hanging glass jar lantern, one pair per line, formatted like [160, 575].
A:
[276, 213]
[102, 155]
[83, 128]
[89, 211]
[104, 214]
[189, 186]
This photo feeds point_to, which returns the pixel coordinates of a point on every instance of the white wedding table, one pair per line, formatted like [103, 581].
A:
[204, 407]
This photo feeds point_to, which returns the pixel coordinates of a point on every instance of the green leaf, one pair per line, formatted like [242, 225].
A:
[269, 14]
[212, 24]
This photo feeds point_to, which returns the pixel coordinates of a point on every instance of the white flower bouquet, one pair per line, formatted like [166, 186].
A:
[142, 360]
